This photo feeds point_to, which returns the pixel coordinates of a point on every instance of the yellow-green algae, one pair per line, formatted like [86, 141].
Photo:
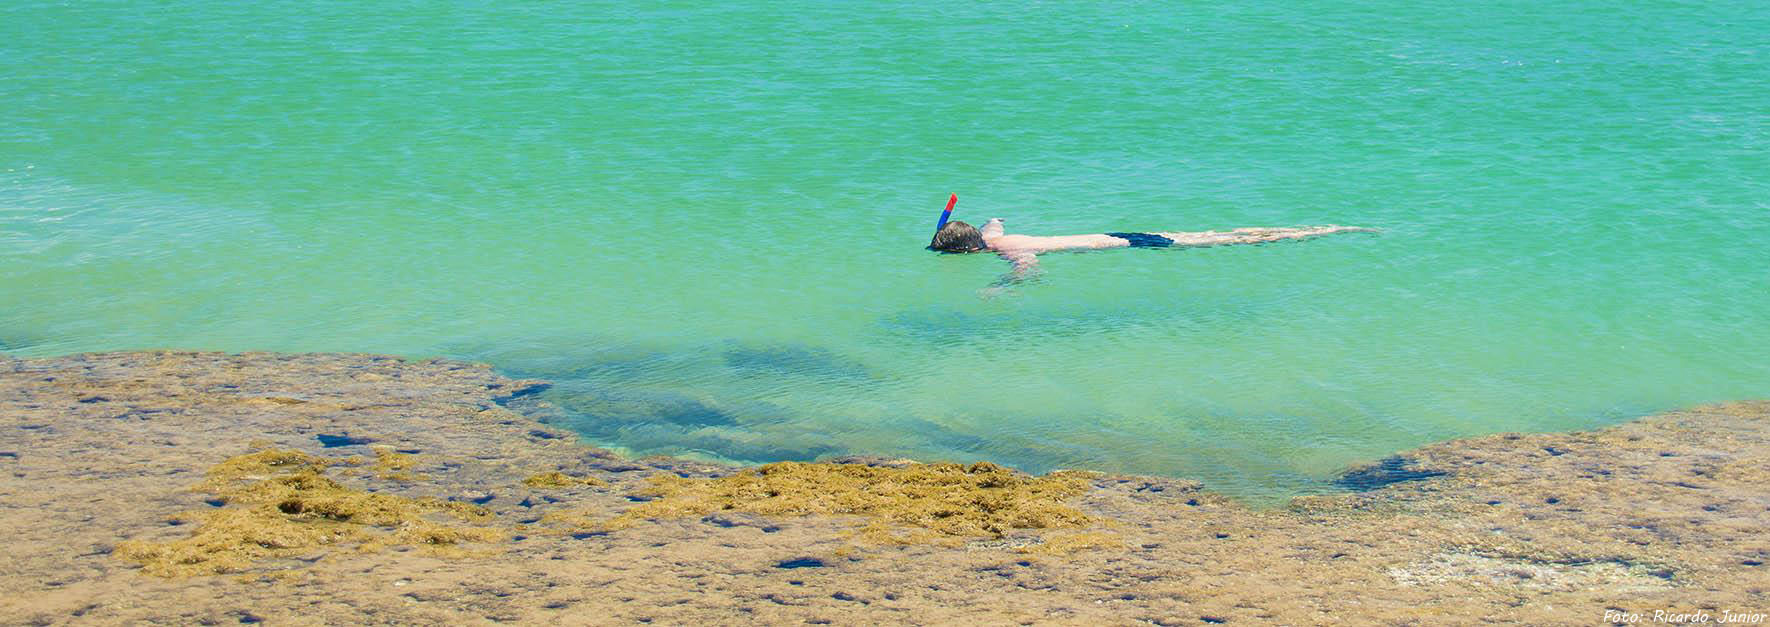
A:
[279, 503]
[558, 479]
[393, 465]
[912, 503]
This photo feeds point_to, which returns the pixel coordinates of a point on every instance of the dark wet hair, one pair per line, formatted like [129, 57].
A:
[957, 237]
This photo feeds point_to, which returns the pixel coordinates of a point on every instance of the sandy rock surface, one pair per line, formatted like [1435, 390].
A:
[1667, 513]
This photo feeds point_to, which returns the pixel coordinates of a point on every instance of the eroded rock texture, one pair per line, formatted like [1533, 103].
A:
[96, 451]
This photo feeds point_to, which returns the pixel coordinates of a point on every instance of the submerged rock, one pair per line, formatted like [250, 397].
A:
[796, 360]
[1388, 471]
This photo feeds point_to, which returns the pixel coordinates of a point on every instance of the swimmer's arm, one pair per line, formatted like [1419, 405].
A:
[1026, 266]
[1015, 244]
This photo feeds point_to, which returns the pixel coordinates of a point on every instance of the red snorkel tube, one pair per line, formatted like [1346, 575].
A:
[948, 213]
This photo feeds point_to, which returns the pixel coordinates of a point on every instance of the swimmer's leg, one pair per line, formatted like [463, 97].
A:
[1257, 235]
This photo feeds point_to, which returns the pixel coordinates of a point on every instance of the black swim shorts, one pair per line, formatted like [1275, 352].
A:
[1144, 240]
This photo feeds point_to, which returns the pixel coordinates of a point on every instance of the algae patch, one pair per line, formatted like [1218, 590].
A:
[558, 479]
[279, 503]
[912, 503]
[393, 465]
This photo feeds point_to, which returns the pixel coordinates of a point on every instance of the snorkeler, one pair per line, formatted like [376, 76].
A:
[1023, 250]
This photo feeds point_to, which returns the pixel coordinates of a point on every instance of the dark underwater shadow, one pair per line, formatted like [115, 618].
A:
[593, 358]
[1387, 471]
[695, 401]
[795, 360]
[947, 325]
[16, 343]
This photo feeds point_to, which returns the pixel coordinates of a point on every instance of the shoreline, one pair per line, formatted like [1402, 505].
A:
[1663, 512]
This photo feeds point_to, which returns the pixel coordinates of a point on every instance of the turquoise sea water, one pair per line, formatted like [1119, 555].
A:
[704, 220]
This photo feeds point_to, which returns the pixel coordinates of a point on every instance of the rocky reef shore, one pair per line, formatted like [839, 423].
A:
[295, 489]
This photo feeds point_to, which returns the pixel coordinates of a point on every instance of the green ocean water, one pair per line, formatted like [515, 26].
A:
[704, 221]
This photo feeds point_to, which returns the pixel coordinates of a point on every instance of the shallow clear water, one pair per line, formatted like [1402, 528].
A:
[705, 222]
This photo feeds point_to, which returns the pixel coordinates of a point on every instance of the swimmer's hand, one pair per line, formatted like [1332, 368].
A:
[991, 229]
[1024, 263]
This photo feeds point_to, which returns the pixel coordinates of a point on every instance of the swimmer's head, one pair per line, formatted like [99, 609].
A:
[957, 237]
